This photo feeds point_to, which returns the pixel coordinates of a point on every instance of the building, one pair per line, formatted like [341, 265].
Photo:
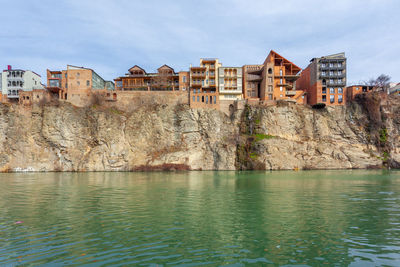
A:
[203, 84]
[36, 96]
[76, 84]
[353, 90]
[13, 81]
[324, 80]
[251, 82]
[395, 90]
[230, 81]
[165, 79]
[273, 80]
[184, 80]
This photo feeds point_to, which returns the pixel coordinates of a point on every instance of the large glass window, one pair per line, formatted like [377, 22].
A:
[97, 81]
[331, 90]
[324, 98]
[324, 90]
[340, 98]
[54, 83]
[340, 90]
[332, 98]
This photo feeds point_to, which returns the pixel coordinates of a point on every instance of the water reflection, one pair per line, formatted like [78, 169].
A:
[260, 218]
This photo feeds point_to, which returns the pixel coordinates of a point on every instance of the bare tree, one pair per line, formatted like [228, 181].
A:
[381, 83]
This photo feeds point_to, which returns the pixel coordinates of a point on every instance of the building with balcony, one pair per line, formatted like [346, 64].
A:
[165, 79]
[76, 84]
[324, 80]
[230, 81]
[273, 80]
[204, 84]
[13, 81]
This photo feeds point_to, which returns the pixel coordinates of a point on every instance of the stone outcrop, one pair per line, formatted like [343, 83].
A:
[165, 137]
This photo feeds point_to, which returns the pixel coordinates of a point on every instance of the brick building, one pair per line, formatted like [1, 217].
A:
[324, 80]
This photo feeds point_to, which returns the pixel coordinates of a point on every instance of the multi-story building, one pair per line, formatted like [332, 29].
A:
[184, 80]
[273, 80]
[76, 84]
[353, 90]
[12, 81]
[230, 81]
[166, 79]
[251, 82]
[204, 85]
[324, 80]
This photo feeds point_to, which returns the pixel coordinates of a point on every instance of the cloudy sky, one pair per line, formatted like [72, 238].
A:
[111, 36]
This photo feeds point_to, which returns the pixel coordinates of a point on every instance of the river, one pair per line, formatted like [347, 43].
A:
[333, 218]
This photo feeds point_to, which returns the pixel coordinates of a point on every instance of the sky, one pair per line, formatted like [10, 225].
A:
[112, 36]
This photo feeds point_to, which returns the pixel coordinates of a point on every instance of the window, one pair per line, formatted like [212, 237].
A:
[357, 88]
[280, 72]
[184, 79]
[331, 81]
[332, 98]
[198, 98]
[281, 81]
[324, 90]
[215, 100]
[206, 72]
[269, 88]
[281, 88]
[184, 88]
[323, 98]
[339, 65]
[323, 73]
[323, 65]
[202, 99]
[331, 90]
[270, 79]
[340, 90]
[340, 98]
[78, 82]
[65, 75]
[281, 95]
[339, 81]
[210, 99]
[331, 73]
[269, 71]
[339, 72]
[194, 98]
[87, 83]
[331, 65]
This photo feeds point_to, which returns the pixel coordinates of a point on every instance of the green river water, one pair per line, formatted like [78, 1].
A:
[306, 218]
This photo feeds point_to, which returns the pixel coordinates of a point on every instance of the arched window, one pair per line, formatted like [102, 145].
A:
[269, 71]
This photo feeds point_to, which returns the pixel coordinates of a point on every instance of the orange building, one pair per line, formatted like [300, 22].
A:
[166, 79]
[203, 84]
[353, 90]
[324, 80]
[76, 84]
[273, 80]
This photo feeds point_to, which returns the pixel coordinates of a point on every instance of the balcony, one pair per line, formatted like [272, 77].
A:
[198, 74]
[290, 93]
[197, 68]
[12, 94]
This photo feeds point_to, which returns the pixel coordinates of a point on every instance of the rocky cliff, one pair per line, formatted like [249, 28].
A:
[159, 137]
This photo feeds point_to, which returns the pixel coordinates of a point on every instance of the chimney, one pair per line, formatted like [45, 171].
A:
[9, 67]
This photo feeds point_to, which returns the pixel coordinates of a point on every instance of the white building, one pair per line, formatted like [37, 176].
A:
[230, 83]
[14, 80]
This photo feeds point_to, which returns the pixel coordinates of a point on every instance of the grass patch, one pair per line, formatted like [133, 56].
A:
[260, 137]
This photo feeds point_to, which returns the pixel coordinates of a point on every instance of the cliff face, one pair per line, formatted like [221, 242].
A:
[66, 138]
